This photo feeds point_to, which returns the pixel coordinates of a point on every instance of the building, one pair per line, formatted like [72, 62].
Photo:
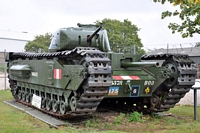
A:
[15, 45]
[193, 52]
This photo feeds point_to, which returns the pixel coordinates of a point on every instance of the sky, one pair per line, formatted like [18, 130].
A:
[24, 19]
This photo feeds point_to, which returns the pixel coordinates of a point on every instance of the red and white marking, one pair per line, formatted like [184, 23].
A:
[126, 78]
[57, 74]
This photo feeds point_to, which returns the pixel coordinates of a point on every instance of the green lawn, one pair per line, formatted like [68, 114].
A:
[13, 120]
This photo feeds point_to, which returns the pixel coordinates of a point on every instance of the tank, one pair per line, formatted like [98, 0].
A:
[81, 74]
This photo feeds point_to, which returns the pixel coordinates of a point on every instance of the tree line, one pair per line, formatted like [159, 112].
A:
[121, 34]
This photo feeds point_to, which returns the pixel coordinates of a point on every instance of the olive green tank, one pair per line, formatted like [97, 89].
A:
[81, 74]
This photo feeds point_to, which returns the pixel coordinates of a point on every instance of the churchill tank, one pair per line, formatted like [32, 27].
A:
[81, 73]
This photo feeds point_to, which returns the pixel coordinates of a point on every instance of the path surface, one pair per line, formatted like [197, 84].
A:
[187, 100]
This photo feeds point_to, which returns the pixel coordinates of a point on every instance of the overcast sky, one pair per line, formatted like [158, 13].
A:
[41, 16]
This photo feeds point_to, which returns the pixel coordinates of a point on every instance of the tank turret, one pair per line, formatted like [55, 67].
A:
[82, 36]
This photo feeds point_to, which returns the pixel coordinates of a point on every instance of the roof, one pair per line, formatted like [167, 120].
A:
[191, 51]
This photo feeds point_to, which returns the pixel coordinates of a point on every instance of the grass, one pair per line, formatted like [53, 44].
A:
[119, 119]
[13, 120]
[180, 120]
[134, 117]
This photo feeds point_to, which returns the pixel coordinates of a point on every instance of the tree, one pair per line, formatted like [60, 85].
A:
[41, 42]
[122, 35]
[189, 14]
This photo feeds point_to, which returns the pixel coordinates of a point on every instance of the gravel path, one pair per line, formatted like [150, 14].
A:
[187, 100]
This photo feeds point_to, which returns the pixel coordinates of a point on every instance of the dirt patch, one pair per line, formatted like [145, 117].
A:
[107, 121]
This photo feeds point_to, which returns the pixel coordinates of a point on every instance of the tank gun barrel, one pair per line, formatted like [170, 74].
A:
[139, 64]
[91, 36]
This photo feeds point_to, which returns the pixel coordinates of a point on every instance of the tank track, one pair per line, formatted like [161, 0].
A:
[169, 97]
[94, 88]
[166, 96]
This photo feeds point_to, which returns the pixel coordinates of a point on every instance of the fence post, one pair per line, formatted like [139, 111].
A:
[4, 70]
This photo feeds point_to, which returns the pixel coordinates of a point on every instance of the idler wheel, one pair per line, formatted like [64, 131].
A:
[48, 104]
[62, 107]
[54, 106]
[173, 73]
[73, 103]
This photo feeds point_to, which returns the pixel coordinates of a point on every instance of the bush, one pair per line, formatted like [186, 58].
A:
[135, 117]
